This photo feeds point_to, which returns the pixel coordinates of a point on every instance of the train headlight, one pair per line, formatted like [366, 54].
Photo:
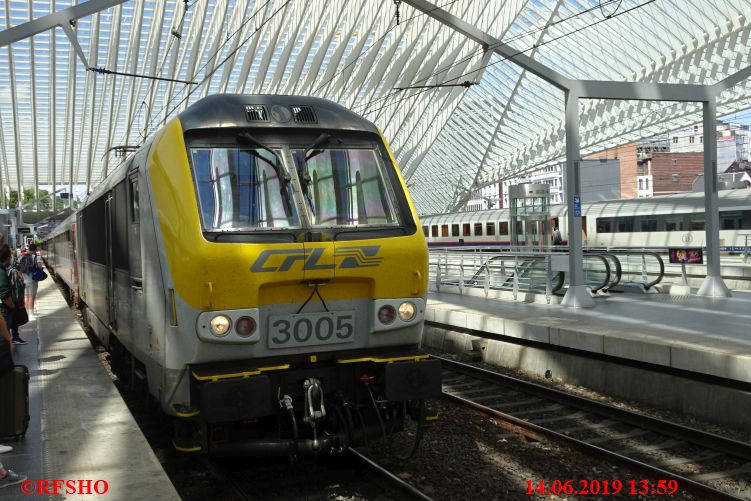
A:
[245, 326]
[220, 325]
[407, 311]
[386, 314]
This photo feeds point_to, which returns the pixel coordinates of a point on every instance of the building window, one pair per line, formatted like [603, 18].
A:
[675, 178]
[696, 128]
[641, 184]
[675, 139]
[691, 139]
[675, 161]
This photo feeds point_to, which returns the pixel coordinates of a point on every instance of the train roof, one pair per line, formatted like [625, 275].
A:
[271, 111]
[666, 204]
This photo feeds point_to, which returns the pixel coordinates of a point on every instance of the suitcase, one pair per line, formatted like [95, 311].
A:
[14, 403]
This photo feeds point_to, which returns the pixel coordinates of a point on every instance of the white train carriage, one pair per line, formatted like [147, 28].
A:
[666, 221]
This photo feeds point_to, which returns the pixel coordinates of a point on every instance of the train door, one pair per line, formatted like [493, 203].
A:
[110, 267]
[137, 302]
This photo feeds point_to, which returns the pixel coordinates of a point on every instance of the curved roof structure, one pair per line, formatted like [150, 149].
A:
[458, 113]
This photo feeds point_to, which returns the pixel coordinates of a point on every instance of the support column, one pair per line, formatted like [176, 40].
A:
[713, 284]
[577, 295]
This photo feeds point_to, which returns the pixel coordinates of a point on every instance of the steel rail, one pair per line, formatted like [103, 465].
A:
[698, 437]
[395, 481]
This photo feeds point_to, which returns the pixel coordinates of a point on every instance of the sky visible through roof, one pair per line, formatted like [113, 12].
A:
[58, 120]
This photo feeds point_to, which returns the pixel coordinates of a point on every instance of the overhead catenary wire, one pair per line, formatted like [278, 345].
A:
[535, 46]
[214, 55]
[491, 47]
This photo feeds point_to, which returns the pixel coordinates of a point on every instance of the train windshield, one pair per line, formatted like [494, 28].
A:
[345, 187]
[239, 189]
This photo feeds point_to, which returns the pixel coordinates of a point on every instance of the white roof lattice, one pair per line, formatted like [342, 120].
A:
[58, 120]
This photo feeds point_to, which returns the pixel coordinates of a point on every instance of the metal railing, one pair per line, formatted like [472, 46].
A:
[517, 271]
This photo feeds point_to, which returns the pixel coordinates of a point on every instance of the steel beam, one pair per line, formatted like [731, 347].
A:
[731, 81]
[577, 295]
[62, 18]
[491, 43]
[640, 91]
[713, 284]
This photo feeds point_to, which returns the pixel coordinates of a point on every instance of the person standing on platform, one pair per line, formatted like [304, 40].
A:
[7, 477]
[29, 261]
[6, 299]
[17, 290]
[557, 239]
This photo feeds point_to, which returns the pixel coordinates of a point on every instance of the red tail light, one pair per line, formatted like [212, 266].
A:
[386, 314]
[245, 326]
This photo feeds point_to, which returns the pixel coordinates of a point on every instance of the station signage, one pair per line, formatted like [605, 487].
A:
[577, 206]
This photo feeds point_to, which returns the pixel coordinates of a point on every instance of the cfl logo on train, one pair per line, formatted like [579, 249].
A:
[359, 256]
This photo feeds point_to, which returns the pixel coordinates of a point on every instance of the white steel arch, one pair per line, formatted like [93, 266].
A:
[58, 120]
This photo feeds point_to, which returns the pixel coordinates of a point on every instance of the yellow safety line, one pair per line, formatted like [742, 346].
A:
[187, 414]
[186, 449]
[414, 358]
[239, 374]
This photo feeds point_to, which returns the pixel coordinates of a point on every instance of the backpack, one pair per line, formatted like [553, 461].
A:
[17, 285]
[25, 263]
[37, 274]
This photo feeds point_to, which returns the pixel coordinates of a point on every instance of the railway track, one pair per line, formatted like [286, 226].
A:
[708, 465]
[350, 476]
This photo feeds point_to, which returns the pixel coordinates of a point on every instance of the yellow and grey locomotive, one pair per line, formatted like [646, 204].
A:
[260, 264]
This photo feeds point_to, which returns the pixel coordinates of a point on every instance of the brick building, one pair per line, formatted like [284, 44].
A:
[674, 172]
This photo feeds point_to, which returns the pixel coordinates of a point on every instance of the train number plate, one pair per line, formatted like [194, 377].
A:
[311, 329]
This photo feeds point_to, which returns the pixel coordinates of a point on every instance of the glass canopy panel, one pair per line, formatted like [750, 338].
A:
[59, 122]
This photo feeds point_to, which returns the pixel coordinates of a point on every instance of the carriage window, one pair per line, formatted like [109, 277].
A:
[134, 210]
[239, 189]
[490, 229]
[503, 228]
[696, 224]
[604, 224]
[434, 230]
[454, 230]
[444, 230]
[731, 220]
[478, 229]
[425, 231]
[346, 187]
[648, 224]
[673, 223]
[466, 230]
[624, 224]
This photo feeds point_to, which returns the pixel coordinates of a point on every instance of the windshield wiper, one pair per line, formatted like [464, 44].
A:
[281, 174]
[317, 147]
[302, 170]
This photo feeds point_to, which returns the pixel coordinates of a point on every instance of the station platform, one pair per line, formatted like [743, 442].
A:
[704, 345]
[80, 428]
